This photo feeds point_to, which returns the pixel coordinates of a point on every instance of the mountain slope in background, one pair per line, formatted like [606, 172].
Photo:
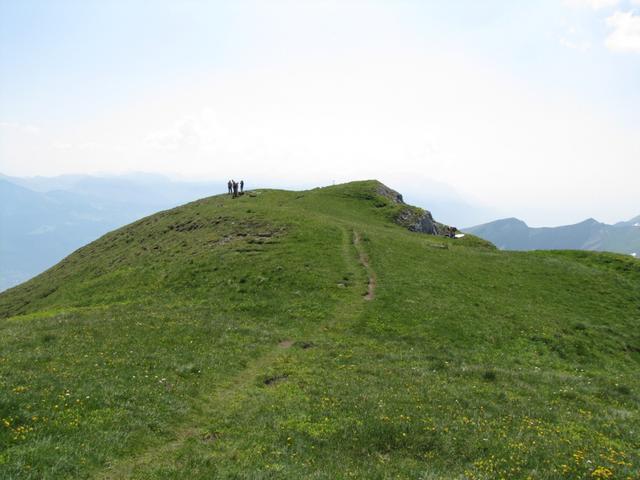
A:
[514, 234]
[634, 222]
[137, 189]
[38, 229]
[42, 220]
[310, 335]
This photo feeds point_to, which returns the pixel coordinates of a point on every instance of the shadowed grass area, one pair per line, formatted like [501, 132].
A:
[232, 338]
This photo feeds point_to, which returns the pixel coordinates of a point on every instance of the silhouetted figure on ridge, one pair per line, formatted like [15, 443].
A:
[241, 186]
[230, 186]
[235, 189]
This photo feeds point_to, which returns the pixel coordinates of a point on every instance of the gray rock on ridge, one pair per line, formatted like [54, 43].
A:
[391, 194]
[426, 224]
[415, 219]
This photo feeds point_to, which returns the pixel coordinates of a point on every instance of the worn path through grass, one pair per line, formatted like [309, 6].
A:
[364, 261]
[238, 390]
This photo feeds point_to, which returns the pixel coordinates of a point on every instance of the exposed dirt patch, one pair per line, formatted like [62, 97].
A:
[273, 381]
[245, 234]
[297, 344]
[371, 287]
[211, 437]
[224, 240]
[364, 260]
[632, 348]
[188, 226]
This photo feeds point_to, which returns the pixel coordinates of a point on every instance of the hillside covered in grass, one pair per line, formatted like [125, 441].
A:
[310, 335]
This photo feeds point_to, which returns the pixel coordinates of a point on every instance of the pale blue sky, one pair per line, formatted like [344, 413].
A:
[533, 105]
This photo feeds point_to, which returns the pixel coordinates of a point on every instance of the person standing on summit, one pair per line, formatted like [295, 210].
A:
[235, 189]
[241, 186]
[230, 186]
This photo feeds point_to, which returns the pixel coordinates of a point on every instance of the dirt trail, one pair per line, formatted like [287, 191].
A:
[216, 404]
[364, 261]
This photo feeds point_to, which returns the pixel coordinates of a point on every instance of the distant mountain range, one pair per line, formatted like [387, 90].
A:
[514, 234]
[43, 219]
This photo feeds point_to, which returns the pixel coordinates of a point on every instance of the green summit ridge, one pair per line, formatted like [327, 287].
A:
[313, 335]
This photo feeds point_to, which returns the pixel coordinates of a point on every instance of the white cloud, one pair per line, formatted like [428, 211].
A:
[625, 34]
[12, 127]
[594, 4]
[582, 46]
[82, 146]
[196, 132]
[185, 133]
[575, 40]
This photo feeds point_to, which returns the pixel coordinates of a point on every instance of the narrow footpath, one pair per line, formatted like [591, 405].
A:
[238, 390]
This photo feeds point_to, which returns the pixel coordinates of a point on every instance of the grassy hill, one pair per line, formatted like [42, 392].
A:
[308, 335]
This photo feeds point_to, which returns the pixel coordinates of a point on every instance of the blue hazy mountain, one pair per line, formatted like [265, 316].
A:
[136, 189]
[42, 220]
[514, 234]
[634, 222]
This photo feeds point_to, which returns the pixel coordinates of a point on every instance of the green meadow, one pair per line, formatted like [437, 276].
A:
[309, 335]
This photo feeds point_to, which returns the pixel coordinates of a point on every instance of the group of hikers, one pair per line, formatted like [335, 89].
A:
[235, 188]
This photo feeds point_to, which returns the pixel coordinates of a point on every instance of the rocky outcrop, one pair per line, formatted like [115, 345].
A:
[426, 224]
[413, 218]
[389, 193]
[418, 220]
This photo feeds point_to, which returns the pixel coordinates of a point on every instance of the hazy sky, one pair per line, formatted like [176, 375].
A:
[531, 107]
